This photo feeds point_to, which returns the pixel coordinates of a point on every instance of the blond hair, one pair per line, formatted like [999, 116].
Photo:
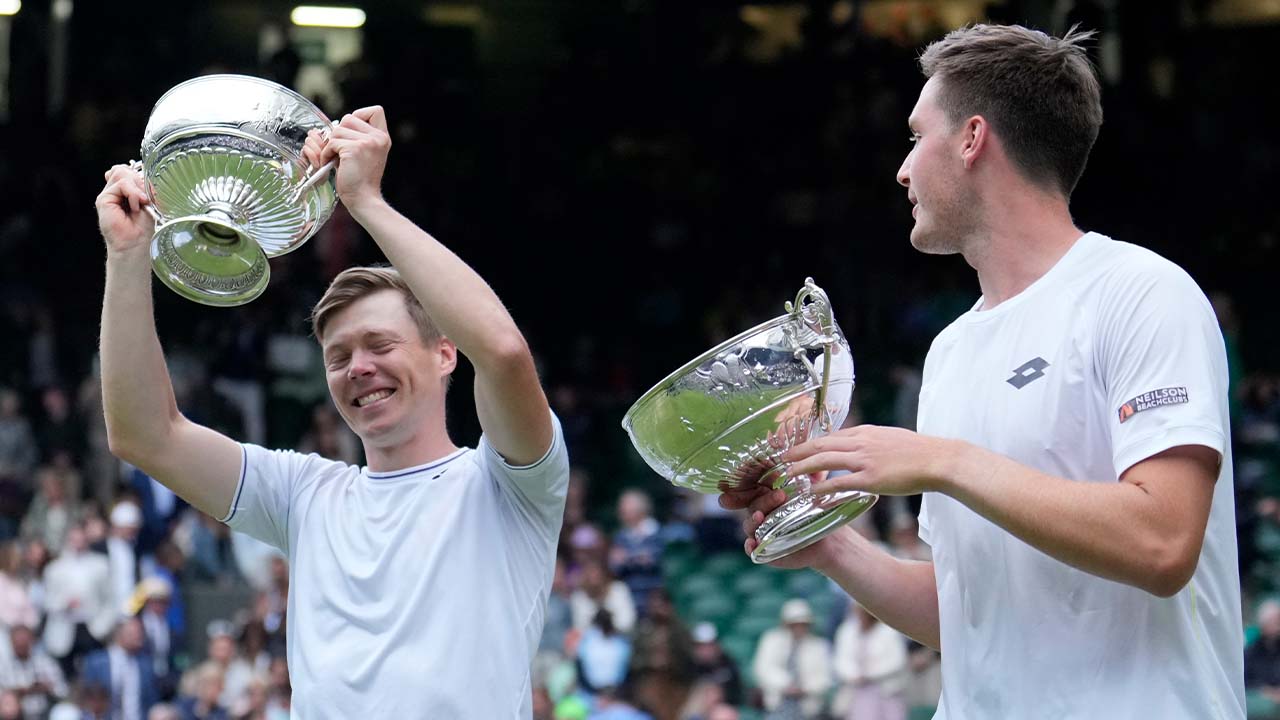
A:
[355, 283]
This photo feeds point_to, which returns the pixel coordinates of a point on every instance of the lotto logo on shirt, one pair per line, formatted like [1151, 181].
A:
[1154, 399]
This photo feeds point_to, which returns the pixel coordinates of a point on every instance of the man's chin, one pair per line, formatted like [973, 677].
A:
[930, 243]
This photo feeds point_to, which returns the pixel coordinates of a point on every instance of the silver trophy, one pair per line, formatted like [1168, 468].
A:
[222, 162]
[723, 421]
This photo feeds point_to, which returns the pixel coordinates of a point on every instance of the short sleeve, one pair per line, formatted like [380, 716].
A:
[923, 520]
[538, 489]
[264, 496]
[1163, 365]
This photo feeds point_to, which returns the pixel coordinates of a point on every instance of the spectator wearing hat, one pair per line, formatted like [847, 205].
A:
[587, 545]
[29, 672]
[711, 663]
[126, 522]
[150, 602]
[793, 666]
[79, 612]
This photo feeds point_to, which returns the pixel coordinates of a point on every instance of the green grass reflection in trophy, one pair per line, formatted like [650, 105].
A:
[222, 162]
[723, 420]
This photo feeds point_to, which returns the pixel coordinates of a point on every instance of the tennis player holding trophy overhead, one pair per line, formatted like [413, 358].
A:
[418, 584]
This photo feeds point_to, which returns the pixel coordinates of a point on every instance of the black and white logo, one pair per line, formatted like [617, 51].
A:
[1028, 372]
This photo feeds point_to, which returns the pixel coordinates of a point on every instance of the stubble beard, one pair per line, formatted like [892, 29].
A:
[953, 223]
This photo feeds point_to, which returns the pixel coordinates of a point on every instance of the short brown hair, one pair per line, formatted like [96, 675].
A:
[1040, 93]
[355, 283]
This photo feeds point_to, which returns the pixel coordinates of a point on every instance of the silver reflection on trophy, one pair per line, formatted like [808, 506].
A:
[222, 162]
[723, 421]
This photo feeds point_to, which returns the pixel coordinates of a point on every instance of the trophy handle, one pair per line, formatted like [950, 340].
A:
[819, 304]
[319, 175]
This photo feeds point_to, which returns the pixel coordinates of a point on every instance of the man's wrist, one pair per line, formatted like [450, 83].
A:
[950, 464]
[366, 206]
[133, 259]
[835, 546]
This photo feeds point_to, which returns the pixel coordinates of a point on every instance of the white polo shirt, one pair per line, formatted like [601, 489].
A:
[418, 593]
[1112, 356]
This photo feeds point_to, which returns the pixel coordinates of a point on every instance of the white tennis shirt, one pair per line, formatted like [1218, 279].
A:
[1111, 357]
[418, 593]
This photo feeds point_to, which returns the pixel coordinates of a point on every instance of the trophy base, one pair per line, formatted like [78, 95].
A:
[207, 259]
[801, 522]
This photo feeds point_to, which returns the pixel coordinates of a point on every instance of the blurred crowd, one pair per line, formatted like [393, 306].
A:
[698, 184]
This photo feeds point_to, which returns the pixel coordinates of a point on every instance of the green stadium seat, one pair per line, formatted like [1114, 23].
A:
[752, 581]
[751, 625]
[805, 583]
[921, 712]
[765, 603]
[697, 585]
[726, 565]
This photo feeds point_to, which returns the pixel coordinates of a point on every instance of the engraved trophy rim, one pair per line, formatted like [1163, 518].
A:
[801, 520]
[228, 147]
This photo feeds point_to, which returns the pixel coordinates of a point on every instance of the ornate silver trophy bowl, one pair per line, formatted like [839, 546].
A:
[723, 421]
[222, 162]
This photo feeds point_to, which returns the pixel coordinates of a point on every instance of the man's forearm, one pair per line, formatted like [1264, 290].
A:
[137, 395]
[455, 297]
[901, 593]
[1122, 531]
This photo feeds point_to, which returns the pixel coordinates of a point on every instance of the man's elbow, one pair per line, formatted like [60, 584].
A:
[1171, 570]
[122, 447]
[511, 348]
[134, 445]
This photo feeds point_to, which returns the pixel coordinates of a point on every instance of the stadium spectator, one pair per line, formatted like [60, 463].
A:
[792, 666]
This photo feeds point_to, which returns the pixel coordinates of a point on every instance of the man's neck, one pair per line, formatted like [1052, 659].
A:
[1026, 237]
[419, 450]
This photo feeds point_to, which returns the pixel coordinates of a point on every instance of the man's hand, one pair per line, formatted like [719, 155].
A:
[124, 222]
[360, 143]
[880, 460]
[759, 501]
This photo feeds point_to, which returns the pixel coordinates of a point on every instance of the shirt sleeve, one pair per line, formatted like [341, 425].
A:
[266, 492]
[1163, 365]
[922, 522]
[539, 489]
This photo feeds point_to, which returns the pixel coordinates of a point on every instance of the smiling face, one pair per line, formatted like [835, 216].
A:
[944, 205]
[386, 381]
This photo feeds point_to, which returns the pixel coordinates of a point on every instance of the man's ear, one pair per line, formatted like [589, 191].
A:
[448, 355]
[975, 136]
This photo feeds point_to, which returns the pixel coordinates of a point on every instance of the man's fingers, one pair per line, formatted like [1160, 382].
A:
[768, 501]
[739, 498]
[116, 171]
[373, 115]
[823, 444]
[830, 460]
[840, 483]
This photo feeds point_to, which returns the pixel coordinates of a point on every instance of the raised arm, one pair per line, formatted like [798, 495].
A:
[512, 408]
[144, 426]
